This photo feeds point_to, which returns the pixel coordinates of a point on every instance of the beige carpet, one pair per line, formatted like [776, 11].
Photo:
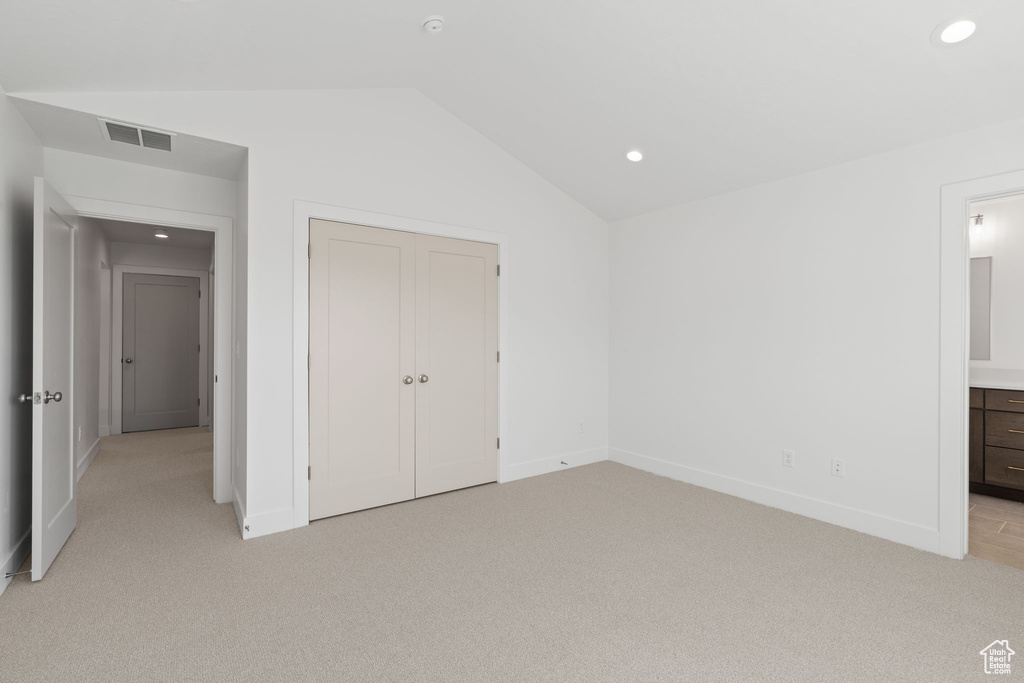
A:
[600, 573]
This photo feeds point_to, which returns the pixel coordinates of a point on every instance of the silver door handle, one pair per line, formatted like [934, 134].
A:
[424, 379]
[407, 379]
[28, 398]
[128, 361]
[47, 396]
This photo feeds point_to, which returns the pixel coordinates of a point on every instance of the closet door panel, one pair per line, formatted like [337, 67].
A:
[362, 344]
[456, 364]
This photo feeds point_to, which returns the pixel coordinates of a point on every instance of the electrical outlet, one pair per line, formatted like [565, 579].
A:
[838, 467]
[581, 425]
[789, 458]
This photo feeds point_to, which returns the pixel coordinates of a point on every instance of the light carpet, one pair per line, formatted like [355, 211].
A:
[599, 573]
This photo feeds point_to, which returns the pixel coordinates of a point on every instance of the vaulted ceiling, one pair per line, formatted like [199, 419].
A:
[718, 94]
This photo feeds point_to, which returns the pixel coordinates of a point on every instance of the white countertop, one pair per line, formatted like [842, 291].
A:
[986, 378]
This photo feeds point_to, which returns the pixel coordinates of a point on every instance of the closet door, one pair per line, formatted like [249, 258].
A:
[362, 363]
[456, 364]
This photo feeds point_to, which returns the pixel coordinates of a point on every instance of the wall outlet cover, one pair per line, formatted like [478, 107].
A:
[838, 467]
[789, 458]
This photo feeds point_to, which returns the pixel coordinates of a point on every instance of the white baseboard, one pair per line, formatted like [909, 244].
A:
[267, 523]
[16, 558]
[907, 533]
[552, 464]
[86, 460]
[104, 430]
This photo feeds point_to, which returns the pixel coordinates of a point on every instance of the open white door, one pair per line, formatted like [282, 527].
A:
[54, 508]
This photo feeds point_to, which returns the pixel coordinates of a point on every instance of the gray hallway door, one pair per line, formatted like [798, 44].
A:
[160, 349]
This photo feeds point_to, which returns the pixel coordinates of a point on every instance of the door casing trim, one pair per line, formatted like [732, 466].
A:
[954, 352]
[223, 313]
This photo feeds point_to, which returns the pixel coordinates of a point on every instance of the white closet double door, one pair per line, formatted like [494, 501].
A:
[403, 378]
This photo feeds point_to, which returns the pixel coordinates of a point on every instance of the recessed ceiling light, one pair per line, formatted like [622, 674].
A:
[953, 31]
[161, 234]
[634, 155]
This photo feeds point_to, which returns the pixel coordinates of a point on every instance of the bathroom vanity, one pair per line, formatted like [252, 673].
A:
[997, 439]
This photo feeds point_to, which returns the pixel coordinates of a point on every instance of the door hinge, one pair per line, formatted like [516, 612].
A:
[309, 361]
[499, 356]
[309, 250]
[199, 402]
[309, 473]
[199, 347]
[499, 443]
[499, 270]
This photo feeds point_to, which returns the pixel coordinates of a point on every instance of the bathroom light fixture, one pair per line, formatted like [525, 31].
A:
[634, 155]
[162, 234]
[953, 31]
[977, 225]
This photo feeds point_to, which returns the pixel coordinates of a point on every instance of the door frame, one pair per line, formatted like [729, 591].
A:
[223, 313]
[117, 338]
[303, 213]
[954, 351]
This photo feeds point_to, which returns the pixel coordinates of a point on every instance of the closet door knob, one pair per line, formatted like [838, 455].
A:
[424, 379]
[407, 379]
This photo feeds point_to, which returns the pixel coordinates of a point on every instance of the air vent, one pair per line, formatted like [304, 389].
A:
[119, 133]
[156, 140]
[116, 131]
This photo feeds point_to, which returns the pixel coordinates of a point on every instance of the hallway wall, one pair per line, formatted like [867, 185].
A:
[92, 250]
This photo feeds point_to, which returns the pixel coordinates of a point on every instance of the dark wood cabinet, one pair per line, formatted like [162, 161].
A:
[977, 398]
[977, 449]
[997, 443]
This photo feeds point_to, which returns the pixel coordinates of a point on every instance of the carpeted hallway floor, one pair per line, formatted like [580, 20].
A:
[599, 573]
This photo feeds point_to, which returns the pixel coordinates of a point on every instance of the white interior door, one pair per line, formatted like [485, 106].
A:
[161, 351]
[362, 361]
[456, 364]
[54, 511]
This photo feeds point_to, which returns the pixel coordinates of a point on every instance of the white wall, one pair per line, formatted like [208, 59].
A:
[92, 249]
[84, 175]
[1002, 238]
[800, 314]
[130, 254]
[21, 159]
[396, 152]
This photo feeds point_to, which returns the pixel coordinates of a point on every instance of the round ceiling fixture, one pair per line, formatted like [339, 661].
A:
[433, 24]
[634, 155]
[953, 31]
[162, 234]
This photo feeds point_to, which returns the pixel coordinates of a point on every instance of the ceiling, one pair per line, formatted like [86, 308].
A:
[140, 233]
[77, 131]
[719, 94]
